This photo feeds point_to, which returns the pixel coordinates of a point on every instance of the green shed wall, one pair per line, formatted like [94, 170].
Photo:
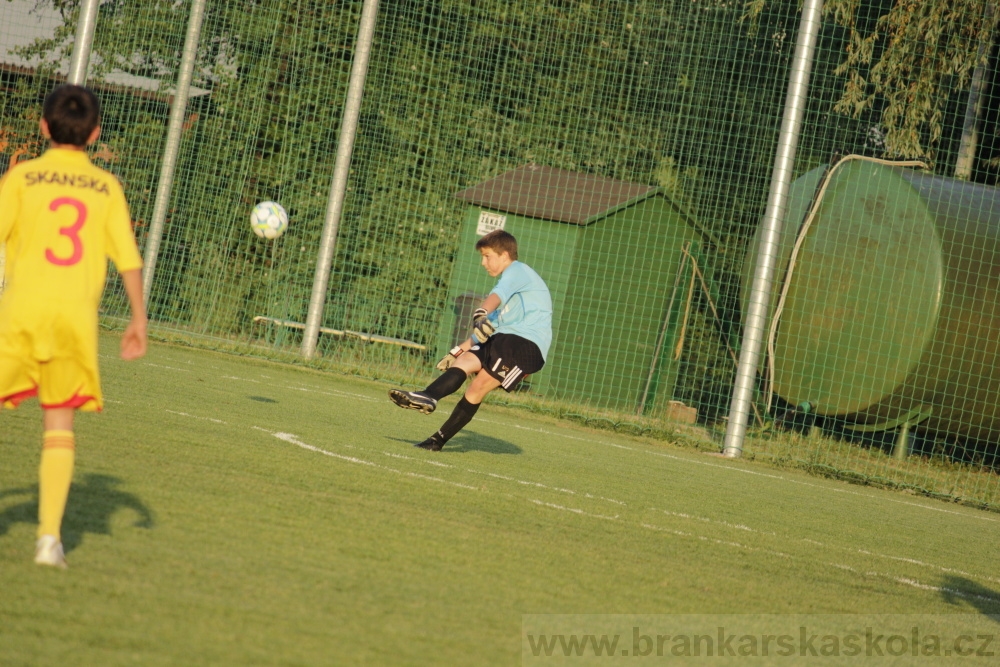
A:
[625, 270]
[610, 283]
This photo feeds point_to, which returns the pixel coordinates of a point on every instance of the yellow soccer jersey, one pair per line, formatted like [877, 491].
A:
[61, 219]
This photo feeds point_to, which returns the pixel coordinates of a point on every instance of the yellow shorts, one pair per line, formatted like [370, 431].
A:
[51, 355]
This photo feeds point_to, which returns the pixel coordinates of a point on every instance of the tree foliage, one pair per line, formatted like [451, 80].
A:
[675, 93]
[903, 60]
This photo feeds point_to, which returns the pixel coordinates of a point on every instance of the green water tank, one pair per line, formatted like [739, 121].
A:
[891, 313]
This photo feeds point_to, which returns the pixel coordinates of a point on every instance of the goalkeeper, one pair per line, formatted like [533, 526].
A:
[511, 334]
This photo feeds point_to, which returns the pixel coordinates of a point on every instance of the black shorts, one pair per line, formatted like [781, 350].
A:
[508, 358]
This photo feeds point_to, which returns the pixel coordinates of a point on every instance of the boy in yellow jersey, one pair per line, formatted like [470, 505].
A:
[62, 218]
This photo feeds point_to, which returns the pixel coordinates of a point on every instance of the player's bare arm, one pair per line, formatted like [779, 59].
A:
[133, 343]
[489, 304]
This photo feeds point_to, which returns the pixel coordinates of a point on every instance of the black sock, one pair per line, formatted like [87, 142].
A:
[447, 384]
[460, 416]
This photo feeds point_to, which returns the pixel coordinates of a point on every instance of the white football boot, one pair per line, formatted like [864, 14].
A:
[49, 551]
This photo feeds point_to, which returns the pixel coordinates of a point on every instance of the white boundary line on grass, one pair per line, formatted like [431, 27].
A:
[573, 509]
[920, 563]
[169, 368]
[906, 581]
[287, 437]
[545, 486]
[335, 393]
[410, 458]
[753, 530]
[733, 468]
[295, 440]
[735, 526]
[521, 481]
[233, 377]
[714, 540]
[207, 419]
[669, 456]
[509, 479]
[864, 552]
[730, 468]
[309, 390]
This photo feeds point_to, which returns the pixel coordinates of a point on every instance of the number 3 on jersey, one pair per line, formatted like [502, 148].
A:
[72, 232]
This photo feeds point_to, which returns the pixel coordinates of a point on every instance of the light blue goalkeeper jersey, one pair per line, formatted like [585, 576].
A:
[525, 306]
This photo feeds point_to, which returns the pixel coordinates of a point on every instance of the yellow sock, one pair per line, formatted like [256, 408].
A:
[54, 477]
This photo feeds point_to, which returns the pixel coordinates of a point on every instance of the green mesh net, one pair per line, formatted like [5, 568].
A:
[882, 363]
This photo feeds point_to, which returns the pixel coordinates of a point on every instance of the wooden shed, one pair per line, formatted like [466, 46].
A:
[610, 252]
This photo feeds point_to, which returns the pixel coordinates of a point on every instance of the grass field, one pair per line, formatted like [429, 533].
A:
[228, 511]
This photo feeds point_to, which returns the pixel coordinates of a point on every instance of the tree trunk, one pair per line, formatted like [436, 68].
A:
[974, 108]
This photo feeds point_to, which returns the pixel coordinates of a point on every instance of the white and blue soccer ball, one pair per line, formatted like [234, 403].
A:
[268, 220]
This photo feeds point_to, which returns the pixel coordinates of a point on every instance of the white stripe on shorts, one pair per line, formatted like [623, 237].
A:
[496, 364]
[511, 377]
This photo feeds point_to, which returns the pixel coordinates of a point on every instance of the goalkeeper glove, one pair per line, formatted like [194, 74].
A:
[449, 359]
[483, 329]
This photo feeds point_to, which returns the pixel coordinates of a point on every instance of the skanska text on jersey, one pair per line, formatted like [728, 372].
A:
[71, 180]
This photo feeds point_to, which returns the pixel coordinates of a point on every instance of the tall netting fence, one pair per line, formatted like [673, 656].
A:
[629, 148]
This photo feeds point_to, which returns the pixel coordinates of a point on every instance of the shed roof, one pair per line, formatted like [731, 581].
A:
[556, 194]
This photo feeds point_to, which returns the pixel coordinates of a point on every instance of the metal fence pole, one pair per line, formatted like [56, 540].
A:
[80, 59]
[78, 64]
[341, 171]
[169, 162]
[781, 178]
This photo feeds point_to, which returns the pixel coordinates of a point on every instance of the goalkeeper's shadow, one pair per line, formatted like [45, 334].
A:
[470, 441]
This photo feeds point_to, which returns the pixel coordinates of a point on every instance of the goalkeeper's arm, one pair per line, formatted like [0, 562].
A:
[482, 327]
[489, 304]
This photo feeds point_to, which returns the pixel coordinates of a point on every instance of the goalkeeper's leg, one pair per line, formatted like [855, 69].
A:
[452, 379]
[463, 412]
[447, 383]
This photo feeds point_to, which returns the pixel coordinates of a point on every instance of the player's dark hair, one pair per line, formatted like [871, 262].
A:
[499, 242]
[72, 113]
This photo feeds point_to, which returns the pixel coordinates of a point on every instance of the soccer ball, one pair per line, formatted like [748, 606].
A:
[268, 220]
